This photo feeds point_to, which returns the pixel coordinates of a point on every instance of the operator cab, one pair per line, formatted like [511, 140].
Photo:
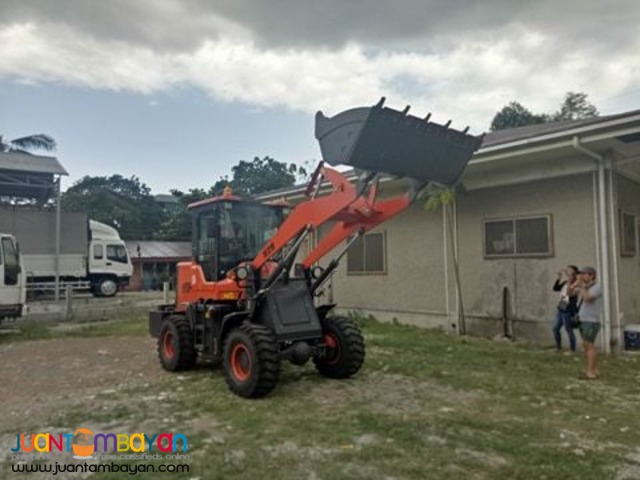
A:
[228, 230]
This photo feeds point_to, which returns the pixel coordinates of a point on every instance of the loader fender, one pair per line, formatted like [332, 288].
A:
[231, 321]
[323, 310]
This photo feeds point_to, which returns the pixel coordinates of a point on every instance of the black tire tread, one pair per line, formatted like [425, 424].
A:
[267, 362]
[353, 349]
[187, 354]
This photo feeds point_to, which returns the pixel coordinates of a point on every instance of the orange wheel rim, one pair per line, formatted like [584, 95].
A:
[333, 348]
[240, 362]
[168, 345]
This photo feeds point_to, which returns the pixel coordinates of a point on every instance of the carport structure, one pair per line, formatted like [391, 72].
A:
[27, 179]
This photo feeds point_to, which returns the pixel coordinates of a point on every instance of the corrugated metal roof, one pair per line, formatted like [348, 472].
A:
[158, 249]
[25, 162]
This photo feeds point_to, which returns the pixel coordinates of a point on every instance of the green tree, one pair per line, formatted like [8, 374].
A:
[176, 225]
[441, 197]
[124, 203]
[247, 179]
[259, 176]
[516, 115]
[575, 107]
[39, 141]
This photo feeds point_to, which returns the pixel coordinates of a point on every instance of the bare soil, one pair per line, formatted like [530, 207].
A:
[40, 378]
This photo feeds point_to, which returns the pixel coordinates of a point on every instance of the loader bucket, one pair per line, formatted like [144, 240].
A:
[380, 139]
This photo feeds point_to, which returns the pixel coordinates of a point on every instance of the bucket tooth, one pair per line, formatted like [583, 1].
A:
[383, 140]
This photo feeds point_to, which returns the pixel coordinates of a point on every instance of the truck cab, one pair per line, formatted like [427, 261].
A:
[12, 278]
[109, 265]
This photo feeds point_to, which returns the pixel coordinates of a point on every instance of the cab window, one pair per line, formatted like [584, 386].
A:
[117, 253]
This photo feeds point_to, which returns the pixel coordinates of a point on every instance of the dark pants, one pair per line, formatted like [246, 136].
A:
[564, 319]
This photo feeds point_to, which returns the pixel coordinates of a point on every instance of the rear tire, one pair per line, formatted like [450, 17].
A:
[175, 345]
[344, 352]
[251, 361]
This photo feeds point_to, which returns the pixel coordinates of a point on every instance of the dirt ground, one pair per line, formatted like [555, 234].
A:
[425, 405]
[39, 378]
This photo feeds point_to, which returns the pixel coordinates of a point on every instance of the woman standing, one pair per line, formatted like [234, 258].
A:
[567, 306]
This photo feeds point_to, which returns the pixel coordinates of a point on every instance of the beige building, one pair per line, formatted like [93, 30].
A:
[537, 198]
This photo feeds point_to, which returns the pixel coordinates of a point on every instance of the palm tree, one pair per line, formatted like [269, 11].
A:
[38, 141]
[437, 197]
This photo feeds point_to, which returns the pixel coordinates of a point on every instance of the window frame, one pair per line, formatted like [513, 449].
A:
[123, 260]
[624, 252]
[359, 273]
[513, 219]
[101, 248]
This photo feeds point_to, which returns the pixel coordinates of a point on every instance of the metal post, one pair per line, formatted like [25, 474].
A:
[68, 303]
[57, 258]
[165, 293]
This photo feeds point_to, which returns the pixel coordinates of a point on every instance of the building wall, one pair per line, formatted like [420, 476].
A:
[419, 286]
[413, 289]
[531, 303]
[628, 200]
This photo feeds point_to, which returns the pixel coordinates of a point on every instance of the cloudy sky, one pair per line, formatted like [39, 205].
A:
[178, 91]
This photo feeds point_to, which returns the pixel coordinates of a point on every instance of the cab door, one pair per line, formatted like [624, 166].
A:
[11, 275]
[109, 258]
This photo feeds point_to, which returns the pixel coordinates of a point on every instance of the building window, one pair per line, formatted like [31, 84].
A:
[367, 255]
[628, 234]
[518, 237]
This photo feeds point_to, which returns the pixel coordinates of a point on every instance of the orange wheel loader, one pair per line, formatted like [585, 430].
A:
[245, 303]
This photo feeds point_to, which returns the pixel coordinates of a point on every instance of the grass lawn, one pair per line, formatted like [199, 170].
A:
[425, 405]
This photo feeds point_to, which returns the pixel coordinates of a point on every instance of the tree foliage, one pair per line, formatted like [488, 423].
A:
[124, 203]
[247, 179]
[259, 176]
[176, 224]
[38, 141]
[515, 115]
[574, 107]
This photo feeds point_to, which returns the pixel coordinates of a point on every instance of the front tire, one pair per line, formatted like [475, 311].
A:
[106, 287]
[344, 350]
[175, 345]
[251, 361]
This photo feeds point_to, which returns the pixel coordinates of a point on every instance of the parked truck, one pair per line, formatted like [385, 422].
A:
[12, 279]
[92, 255]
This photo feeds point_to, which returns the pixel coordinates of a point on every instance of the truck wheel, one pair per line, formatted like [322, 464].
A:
[344, 351]
[107, 287]
[175, 344]
[251, 361]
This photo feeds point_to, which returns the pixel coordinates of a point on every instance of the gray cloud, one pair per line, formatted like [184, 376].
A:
[461, 59]
[184, 24]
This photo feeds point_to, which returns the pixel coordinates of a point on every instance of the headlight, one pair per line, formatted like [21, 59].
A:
[242, 273]
[316, 272]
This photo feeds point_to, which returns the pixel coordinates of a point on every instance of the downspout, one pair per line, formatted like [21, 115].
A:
[57, 239]
[445, 239]
[604, 240]
[616, 258]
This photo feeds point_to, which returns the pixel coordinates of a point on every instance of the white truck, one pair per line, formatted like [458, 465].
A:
[92, 255]
[12, 279]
